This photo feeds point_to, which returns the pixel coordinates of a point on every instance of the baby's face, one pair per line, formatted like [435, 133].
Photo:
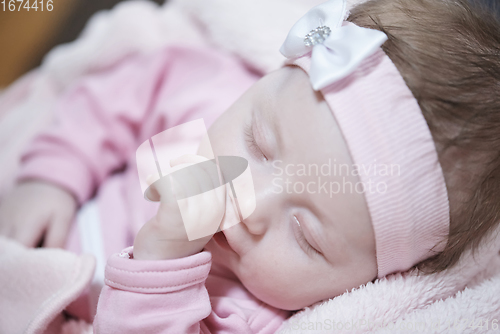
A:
[310, 237]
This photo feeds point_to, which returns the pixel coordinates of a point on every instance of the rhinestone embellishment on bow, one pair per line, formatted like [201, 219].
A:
[334, 47]
[317, 36]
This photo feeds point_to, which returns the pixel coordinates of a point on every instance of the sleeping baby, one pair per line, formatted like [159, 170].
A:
[374, 150]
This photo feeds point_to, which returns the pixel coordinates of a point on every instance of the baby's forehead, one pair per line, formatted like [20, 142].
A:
[286, 80]
[286, 92]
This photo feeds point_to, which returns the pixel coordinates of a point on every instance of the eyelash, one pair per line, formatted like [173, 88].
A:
[301, 238]
[250, 139]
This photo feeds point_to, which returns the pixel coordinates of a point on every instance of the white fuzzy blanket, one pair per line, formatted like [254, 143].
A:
[455, 301]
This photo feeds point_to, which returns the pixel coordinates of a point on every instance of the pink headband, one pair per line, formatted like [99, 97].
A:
[381, 122]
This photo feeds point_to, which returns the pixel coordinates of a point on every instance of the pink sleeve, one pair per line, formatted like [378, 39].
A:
[168, 296]
[100, 122]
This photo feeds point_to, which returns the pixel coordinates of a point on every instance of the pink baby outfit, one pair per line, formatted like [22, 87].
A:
[90, 150]
[178, 296]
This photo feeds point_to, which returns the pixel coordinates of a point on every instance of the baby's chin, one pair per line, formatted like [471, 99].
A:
[283, 302]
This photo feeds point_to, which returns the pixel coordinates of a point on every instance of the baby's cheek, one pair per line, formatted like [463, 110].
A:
[274, 284]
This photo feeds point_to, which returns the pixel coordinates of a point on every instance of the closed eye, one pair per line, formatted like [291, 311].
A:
[252, 143]
[301, 239]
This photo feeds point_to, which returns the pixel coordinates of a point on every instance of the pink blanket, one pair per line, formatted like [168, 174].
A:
[37, 284]
[458, 300]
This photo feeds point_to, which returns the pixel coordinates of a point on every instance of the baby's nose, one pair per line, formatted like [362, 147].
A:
[267, 205]
[256, 225]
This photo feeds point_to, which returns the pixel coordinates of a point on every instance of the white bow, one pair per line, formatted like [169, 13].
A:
[336, 49]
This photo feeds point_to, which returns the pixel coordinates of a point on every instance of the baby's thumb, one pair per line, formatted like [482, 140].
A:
[192, 175]
[165, 188]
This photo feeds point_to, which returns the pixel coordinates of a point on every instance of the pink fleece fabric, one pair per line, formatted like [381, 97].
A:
[37, 284]
[99, 125]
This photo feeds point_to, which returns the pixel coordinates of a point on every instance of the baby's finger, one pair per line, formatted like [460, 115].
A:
[206, 175]
[29, 234]
[57, 232]
[162, 189]
[203, 212]
[196, 178]
[187, 159]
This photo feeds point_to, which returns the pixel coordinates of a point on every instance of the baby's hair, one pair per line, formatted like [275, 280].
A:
[448, 52]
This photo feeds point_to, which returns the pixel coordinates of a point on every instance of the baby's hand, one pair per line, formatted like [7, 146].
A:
[35, 208]
[165, 236]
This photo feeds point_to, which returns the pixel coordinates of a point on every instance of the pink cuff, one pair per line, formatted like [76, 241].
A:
[157, 276]
[69, 174]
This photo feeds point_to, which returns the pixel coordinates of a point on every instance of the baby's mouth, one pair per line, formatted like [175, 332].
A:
[221, 240]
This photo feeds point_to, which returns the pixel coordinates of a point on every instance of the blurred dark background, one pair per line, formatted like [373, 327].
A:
[26, 36]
